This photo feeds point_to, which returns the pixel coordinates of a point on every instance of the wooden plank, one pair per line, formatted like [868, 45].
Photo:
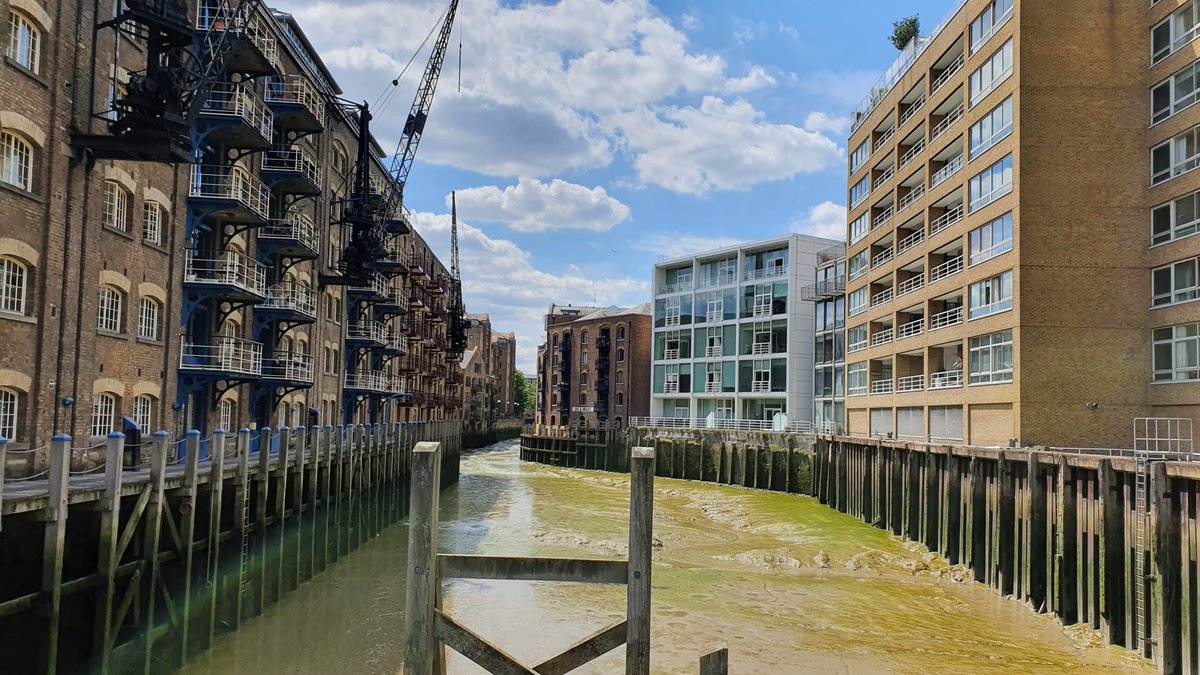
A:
[106, 554]
[241, 506]
[54, 541]
[1165, 594]
[715, 663]
[479, 650]
[296, 485]
[422, 559]
[641, 534]
[326, 449]
[584, 651]
[452, 566]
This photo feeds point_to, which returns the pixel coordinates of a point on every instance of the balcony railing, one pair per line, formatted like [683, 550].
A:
[237, 99]
[223, 16]
[671, 320]
[947, 379]
[671, 354]
[671, 387]
[760, 386]
[910, 284]
[950, 317]
[675, 288]
[884, 177]
[293, 160]
[949, 268]
[913, 109]
[212, 181]
[228, 268]
[885, 137]
[941, 80]
[712, 387]
[293, 226]
[760, 348]
[376, 285]
[718, 280]
[762, 311]
[369, 380]
[292, 296]
[800, 426]
[883, 216]
[715, 315]
[947, 122]
[396, 342]
[907, 330]
[881, 297]
[881, 387]
[881, 337]
[296, 89]
[910, 241]
[950, 217]
[857, 346]
[767, 273]
[292, 366]
[947, 171]
[882, 257]
[397, 385]
[713, 352]
[910, 383]
[823, 289]
[912, 196]
[370, 331]
[225, 354]
[912, 153]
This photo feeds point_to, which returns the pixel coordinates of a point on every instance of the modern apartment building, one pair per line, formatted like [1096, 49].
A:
[828, 293]
[1020, 263]
[593, 369]
[196, 294]
[732, 336]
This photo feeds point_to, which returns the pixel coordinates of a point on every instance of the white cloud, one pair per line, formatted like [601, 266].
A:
[674, 245]
[502, 279]
[534, 206]
[823, 220]
[720, 146]
[840, 90]
[690, 22]
[757, 78]
[819, 121]
[747, 31]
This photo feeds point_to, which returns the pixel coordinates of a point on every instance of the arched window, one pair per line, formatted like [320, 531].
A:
[153, 219]
[620, 399]
[143, 412]
[14, 280]
[620, 377]
[230, 328]
[583, 338]
[25, 42]
[108, 312]
[555, 340]
[620, 356]
[16, 161]
[149, 319]
[225, 419]
[104, 414]
[116, 206]
[583, 398]
[286, 343]
[620, 332]
[9, 400]
[283, 415]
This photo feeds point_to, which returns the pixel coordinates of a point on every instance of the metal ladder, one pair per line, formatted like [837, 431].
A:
[244, 562]
[1141, 535]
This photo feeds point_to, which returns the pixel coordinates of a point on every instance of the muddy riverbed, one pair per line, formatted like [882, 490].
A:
[787, 584]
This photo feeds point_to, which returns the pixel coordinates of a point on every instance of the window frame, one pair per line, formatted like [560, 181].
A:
[977, 90]
[116, 206]
[1175, 42]
[977, 199]
[10, 413]
[996, 248]
[17, 160]
[863, 190]
[152, 222]
[99, 403]
[995, 285]
[995, 346]
[997, 22]
[143, 405]
[109, 310]
[1175, 231]
[146, 307]
[1005, 108]
[851, 308]
[1175, 294]
[14, 274]
[1176, 166]
[31, 60]
[859, 228]
[1169, 336]
[857, 161]
[854, 372]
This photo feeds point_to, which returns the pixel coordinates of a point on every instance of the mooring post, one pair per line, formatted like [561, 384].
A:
[260, 520]
[242, 512]
[55, 531]
[422, 558]
[296, 485]
[106, 563]
[148, 591]
[187, 535]
[326, 485]
[641, 534]
[715, 663]
[314, 474]
[216, 571]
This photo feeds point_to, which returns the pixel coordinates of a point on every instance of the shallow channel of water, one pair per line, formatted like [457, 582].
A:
[787, 584]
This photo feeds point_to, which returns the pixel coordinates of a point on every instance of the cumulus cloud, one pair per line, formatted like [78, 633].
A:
[675, 244]
[823, 220]
[819, 121]
[534, 206]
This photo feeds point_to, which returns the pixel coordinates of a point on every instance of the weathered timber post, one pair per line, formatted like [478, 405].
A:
[241, 507]
[641, 528]
[1111, 554]
[262, 479]
[420, 643]
[152, 529]
[296, 486]
[1064, 560]
[314, 475]
[715, 663]
[326, 448]
[106, 564]
[1166, 630]
[279, 536]
[187, 536]
[216, 575]
[54, 538]
[3, 460]
[340, 489]
[1035, 561]
[1006, 519]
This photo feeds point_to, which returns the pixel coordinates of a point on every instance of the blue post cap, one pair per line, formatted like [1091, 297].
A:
[244, 430]
[193, 432]
[266, 429]
[284, 428]
[62, 437]
[219, 430]
[329, 427]
[161, 434]
[116, 435]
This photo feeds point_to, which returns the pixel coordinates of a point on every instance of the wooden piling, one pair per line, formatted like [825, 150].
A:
[420, 642]
[148, 592]
[106, 555]
[641, 527]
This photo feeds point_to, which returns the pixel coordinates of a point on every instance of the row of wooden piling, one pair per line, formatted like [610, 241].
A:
[154, 565]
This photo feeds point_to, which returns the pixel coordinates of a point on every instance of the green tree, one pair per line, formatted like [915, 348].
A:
[526, 393]
[904, 30]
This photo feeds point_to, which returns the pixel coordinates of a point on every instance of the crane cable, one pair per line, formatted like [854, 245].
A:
[389, 90]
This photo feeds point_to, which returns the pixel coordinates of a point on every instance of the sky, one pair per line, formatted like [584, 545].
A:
[585, 139]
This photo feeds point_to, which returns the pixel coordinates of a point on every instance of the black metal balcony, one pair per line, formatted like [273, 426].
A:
[252, 49]
[297, 104]
[230, 193]
[823, 290]
[292, 170]
[235, 117]
[293, 236]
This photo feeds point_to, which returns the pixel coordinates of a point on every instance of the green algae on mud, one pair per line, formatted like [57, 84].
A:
[789, 585]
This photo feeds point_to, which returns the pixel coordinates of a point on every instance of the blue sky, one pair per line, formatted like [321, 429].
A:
[591, 136]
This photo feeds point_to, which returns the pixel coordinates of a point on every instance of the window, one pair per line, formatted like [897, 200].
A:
[856, 379]
[116, 206]
[620, 399]
[860, 155]
[583, 338]
[858, 302]
[104, 414]
[946, 423]
[992, 358]
[9, 400]
[1175, 283]
[583, 359]
[152, 222]
[856, 338]
[148, 319]
[1175, 220]
[24, 43]
[583, 379]
[17, 157]
[14, 279]
[994, 71]
[1172, 34]
[143, 411]
[620, 377]
[620, 332]
[860, 227]
[858, 265]
[992, 296]
[620, 356]
[108, 312]
[1175, 157]
[583, 398]
[859, 192]
[986, 24]
[993, 183]
[225, 416]
[992, 239]
[993, 128]
[1174, 94]
[1177, 353]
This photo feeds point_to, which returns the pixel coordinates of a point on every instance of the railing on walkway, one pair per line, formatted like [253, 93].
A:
[798, 426]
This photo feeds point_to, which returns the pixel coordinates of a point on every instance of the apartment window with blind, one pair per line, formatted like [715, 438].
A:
[910, 423]
[1174, 33]
[225, 418]
[1177, 353]
[946, 423]
[995, 15]
[1176, 157]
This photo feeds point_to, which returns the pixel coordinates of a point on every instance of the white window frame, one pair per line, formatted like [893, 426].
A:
[1178, 287]
[860, 191]
[149, 319]
[1183, 344]
[860, 155]
[10, 407]
[994, 72]
[857, 302]
[116, 206]
[988, 297]
[1178, 33]
[14, 286]
[16, 161]
[856, 379]
[104, 414]
[991, 129]
[996, 351]
[108, 310]
[25, 42]
[143, 412]
[152, 222]
[858, 265]
[1183, 81]
[1176, 230]
[859, 228]
[990, 240]
[856, 338]
[1182, 154]
[989, 22]
[997, 180]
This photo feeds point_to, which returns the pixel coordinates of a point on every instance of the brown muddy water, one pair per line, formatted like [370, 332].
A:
[787, 584]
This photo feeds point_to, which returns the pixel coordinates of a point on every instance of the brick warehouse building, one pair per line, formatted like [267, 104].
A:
[1020, 260]
[594, 368]
[197, 294]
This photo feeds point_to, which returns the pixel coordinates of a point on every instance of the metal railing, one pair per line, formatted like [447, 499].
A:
[950, 317]
[950, 217]
[947, 122]
[910, 241]
[883, 216]
[911, 328]
[912, 153]
[910, 284]
[910, 383]
[798, 426]
[712, 387]
[881, 337]
[376, 284]
[671, 354]
[885, 137]
[675, 288]
[947, 171]
[225, 267]
[226, 354]
[214, 181]
[946, 379]
[884, 177]
[370, 380]
[296, 89]
[713, 352]
[912, 110]
[293, 296]
[881, 297]
[371, 331]
[767, 272]
[397, 342]
[759, 348]
[292, 366]
[823, 289]
[715, 315]
[293, 160]
[671, 387]
[941, 80]
[223, 17]
[719, 280]
[237, 99]
[882, 257]
[760, 386]
[949, 268]
[912, 196]
[293, 226]
[881, 387]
